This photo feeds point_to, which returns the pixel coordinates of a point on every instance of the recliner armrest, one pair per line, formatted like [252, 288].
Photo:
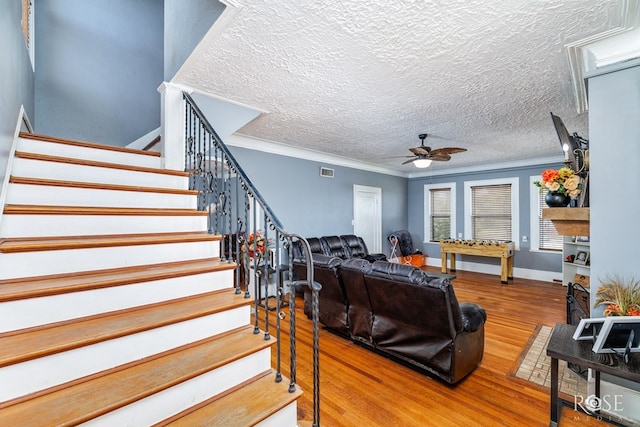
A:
[375, 257]
[473, 316]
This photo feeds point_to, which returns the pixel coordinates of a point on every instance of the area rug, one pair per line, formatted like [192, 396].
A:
[535, 366]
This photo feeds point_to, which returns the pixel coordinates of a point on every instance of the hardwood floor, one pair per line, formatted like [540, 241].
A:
[361, 388]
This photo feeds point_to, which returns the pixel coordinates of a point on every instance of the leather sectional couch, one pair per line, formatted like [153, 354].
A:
[401, 312]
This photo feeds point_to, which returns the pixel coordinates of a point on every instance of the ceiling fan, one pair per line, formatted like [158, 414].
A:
[423, 155]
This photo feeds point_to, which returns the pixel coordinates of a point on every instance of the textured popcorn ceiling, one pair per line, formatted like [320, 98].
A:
[361, 79]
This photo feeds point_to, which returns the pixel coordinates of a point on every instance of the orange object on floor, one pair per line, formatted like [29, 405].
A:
[417, 259]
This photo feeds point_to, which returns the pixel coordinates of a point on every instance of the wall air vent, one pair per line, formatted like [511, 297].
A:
[326, 172]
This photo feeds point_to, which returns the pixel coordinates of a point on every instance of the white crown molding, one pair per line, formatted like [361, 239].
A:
[493, 166]
[603, 49]
[252, 143]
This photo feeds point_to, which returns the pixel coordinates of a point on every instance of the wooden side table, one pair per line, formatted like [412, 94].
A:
[562, 346]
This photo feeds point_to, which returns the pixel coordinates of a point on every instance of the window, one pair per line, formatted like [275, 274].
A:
[493, 210]
[543, 234]
[440, 212]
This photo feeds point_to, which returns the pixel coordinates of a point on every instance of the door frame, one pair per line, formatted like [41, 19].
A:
[376, 246]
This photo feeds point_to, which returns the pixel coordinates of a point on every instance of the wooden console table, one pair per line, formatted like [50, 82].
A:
[562, 346]
[502, 250]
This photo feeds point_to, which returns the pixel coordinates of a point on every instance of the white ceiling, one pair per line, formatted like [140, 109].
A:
[361, 79]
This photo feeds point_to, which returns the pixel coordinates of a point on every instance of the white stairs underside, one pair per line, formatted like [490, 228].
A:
[115, 308]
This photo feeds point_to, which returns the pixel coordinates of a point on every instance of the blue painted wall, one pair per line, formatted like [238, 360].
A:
[310, 205]
[524, 258]
[98, 66]
[185, 23]
[16, 77]
[614, 127]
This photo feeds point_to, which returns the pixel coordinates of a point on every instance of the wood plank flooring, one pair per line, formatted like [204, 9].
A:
[361, 388]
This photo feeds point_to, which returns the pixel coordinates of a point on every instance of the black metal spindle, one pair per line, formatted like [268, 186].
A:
[211, 167]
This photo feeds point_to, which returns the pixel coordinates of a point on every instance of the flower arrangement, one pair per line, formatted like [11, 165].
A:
[255, 245]
[620, 296]
[562, 181]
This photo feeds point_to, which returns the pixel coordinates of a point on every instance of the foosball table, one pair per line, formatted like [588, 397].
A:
[491, 248]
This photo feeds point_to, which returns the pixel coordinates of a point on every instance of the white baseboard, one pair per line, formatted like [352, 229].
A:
[520, 273]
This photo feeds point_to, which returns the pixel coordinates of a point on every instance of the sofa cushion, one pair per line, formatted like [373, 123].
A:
[402, 273]
[332, 246]
[360, 314]
[356, 246]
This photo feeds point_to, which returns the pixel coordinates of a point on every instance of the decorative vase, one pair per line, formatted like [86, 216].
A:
[557, 200]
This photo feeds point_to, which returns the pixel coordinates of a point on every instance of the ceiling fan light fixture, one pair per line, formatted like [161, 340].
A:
[422, 163]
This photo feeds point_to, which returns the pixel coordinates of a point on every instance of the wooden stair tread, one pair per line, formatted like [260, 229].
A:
[98, 186]
[78, 143]
[75, 161]
[27, 344]
[82, 242]
[98, 210]
[98, 394]
[244, 406]
[14, 289]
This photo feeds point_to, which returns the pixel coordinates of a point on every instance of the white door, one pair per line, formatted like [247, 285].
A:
[367, 216]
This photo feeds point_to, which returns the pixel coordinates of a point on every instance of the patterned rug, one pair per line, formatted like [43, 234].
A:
[535, 365]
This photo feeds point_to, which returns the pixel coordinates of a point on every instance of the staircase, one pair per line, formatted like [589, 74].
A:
[115, 308]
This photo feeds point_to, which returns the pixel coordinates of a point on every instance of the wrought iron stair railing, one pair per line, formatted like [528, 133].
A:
[253, 237]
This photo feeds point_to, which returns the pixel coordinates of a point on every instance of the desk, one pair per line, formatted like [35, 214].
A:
[502, 250]
[562, 346]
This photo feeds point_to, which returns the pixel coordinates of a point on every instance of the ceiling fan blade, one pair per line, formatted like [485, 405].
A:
[442, 157]
[448, 150]
[419, 150]
[408, 161]
[398, 157]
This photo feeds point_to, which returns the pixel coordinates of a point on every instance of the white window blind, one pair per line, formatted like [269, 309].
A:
[491, 214]
[548, 236]
[440, 215]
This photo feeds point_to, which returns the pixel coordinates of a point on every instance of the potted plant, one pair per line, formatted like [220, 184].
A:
[621, 296]
[562, 185]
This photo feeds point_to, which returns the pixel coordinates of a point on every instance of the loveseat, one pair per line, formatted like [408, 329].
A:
[401, 312]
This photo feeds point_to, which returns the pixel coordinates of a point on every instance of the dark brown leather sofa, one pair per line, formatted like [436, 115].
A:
[346, 246]
[401, 312]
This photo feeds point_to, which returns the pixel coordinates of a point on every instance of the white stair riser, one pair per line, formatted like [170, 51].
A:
[164, 404]
[87, 153]
[37, 374]
[27, 194]
[26, 313]
[30, 264]
[285, 417]
[29, 168]
[18, 225]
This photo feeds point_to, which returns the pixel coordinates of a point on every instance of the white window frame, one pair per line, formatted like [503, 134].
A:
[535, 218]
[515, 205]
[451, 186]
